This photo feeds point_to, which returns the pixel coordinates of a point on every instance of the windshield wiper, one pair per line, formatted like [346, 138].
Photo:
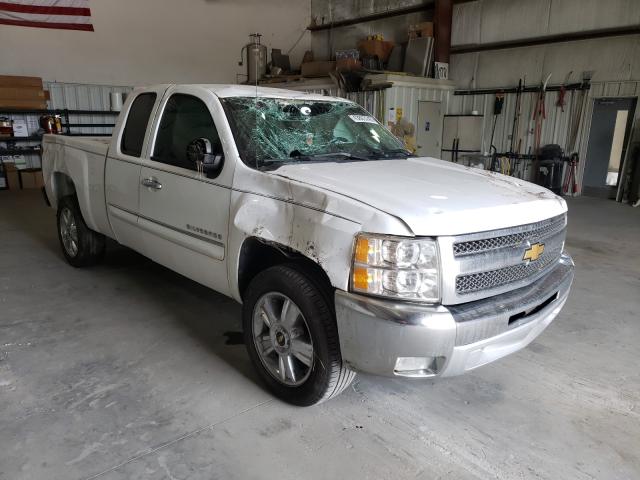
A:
[342, 155]
[392, 153]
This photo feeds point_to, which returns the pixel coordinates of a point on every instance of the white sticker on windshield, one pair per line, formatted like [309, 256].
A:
[362, 119]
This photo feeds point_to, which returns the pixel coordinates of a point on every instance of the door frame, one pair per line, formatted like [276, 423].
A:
[587, 124]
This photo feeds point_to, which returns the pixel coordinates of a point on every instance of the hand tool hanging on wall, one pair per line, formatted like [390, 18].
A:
[539, 115]
[497, 110]
[516, 116]
[563, 91]
[578, 99]
[570, 184]
[522, 126]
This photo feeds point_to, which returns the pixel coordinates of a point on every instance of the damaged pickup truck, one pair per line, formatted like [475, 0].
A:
[347, 252]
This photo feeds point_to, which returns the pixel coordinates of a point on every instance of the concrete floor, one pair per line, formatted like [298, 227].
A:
[123, 371]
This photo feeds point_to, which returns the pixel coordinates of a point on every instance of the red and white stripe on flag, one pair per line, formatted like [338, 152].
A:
[64, 14]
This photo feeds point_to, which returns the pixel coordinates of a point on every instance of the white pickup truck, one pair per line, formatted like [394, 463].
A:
[347, 253]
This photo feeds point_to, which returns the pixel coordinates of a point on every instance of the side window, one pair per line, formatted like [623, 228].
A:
[185, 119]
[136, 126]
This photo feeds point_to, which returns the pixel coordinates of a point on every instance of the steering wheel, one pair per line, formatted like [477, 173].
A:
[336, 140]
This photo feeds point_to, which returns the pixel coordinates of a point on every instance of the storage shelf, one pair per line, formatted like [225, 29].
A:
[91, 125]
[32, 138]
[67, 125]
[20, 151]
[87, 134]
[57, 112]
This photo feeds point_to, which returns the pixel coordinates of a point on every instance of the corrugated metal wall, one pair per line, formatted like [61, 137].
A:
[555, 128]
[74, 96]
[378, 102]
[407, 98]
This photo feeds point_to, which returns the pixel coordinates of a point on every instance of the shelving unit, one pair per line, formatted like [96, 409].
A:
[71, 125]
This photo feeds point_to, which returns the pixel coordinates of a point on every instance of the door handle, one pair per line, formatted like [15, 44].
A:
[151, 183]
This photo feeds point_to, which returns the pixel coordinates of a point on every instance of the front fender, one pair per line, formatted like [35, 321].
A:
[322, 237]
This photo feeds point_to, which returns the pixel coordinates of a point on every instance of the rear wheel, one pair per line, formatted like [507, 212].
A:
[291, 336]
[81, 246]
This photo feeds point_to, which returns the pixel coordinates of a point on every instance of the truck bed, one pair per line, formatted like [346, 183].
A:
[98, 145]
[77, 164]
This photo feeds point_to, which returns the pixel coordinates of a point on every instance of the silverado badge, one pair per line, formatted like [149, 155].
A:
[532, 253]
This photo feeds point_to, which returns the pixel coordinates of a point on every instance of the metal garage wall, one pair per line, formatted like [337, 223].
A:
[76, 96]
[408, 96]
[554, 129]
[403, 94]
[556, 125]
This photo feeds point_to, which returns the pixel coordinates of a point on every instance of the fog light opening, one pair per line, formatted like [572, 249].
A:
[418, 366]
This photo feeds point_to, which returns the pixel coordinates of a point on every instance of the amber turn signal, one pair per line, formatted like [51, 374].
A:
[362, 250]
[361, 278]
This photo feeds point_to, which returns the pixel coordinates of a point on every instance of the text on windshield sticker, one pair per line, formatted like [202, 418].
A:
[362, 119]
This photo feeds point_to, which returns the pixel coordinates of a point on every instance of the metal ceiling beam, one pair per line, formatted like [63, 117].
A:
[426, 6]
[547, 39]
[429, 5]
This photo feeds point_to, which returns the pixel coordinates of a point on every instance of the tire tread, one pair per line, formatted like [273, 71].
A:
[339, 375]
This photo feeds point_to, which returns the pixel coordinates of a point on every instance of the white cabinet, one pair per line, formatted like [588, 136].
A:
[462, 134]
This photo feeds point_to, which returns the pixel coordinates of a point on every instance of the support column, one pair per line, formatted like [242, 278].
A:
[442, 25]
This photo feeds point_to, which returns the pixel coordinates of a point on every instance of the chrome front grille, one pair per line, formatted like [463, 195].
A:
[480, 265]
[538, 231]
[503, 276]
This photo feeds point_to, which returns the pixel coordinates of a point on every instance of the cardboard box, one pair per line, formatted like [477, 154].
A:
[23, 104]
[423, 29]
[347, 64]
[376, 48]
[21, 93]
[31, 178]
[317, 69]
[17, 81]
[12, 175]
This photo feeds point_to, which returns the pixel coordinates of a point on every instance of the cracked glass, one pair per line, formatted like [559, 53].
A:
[271, 132]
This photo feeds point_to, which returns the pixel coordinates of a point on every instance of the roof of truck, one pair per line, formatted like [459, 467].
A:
[231, 90]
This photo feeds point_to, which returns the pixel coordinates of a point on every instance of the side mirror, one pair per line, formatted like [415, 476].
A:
[200, 153]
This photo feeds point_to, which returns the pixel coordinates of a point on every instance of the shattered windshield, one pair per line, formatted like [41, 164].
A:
[270, 132]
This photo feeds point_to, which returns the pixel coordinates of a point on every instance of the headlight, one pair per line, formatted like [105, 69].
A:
[396, 267]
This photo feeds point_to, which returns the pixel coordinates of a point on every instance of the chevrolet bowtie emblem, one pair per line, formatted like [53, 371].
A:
[533, 253]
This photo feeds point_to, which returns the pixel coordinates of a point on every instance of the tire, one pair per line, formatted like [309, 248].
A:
[81, 246]
[325, 376]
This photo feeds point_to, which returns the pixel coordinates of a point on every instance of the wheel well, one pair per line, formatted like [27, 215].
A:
[257, 255]
[63, 185]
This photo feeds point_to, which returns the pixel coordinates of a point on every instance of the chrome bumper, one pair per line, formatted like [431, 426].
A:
[398, 338]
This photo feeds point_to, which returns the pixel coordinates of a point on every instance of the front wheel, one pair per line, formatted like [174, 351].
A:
[291, 336]
[81, 246]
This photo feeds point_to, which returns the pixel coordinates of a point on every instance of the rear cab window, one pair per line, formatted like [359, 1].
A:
[136, 126]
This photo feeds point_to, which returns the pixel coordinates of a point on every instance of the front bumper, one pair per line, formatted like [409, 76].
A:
[446, 341]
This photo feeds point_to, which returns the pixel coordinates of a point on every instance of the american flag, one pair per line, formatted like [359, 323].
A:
[63, 14]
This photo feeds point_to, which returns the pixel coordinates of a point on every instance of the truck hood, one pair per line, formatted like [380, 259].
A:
[433, 197]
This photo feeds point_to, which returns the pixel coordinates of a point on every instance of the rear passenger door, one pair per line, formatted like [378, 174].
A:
[124, 160]
[184, 214]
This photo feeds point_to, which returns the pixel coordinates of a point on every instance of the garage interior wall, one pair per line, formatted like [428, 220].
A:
[613, 61]
[155, 41]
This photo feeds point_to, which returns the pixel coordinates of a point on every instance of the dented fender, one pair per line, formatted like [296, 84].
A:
[318, 224]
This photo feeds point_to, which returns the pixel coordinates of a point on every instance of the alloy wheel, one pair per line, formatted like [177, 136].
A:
[282, 339]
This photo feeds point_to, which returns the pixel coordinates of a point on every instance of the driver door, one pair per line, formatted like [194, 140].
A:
[184, 214]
